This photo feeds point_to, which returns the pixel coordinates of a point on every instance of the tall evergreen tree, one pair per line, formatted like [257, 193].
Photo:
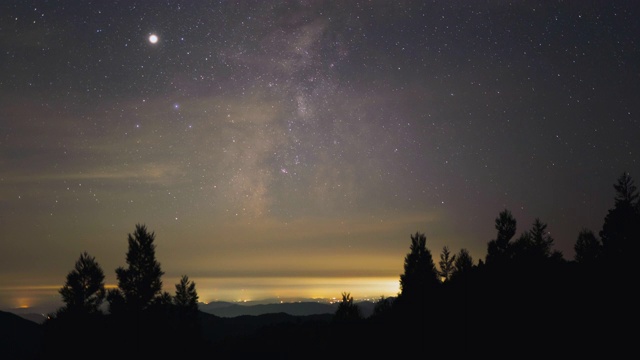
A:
[187, 321]
[420, 276]
[84, 291]
[446, 264]
[140, 282]
[78, 327]
[534, 246]
[498, 250]
[626, 190]
[621, 229]
[186, 295]
[416, 307]
[588, 248]
[540, 240]
[620, 235]
[463, 262]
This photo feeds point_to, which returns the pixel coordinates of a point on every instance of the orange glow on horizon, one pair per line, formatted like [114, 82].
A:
[293, 289]
[231, 289]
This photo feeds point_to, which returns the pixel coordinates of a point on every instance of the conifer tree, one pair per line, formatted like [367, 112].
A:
[446, 264]
[347, 310]
[84, 291]
[140, 282]
[541, 240]
[186, 297]
[498, 250]
[463, 262]
[420, 275]
[588, 248]
[621, 229]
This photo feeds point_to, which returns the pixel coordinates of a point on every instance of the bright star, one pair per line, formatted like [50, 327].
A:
[153, 38]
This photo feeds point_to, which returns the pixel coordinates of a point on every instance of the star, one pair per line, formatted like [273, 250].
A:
[153, 38]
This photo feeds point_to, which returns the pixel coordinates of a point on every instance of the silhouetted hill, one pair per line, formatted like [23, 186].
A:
[224, 324]
[284, 336]
[215, 329]
[19, 338]
[303, 308]
[36, 318]
[36, 314]
[234, 310]
[22, 339]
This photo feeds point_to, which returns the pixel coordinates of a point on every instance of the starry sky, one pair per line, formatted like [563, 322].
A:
[290, 148]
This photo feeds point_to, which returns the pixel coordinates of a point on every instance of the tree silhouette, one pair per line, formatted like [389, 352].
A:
[462, 265]
[626, 190]
[588, 248]
[186, 295]
[162, 300]
[141, 282]
[446, 264]
[463, 262]
[186, 302]
[79, 324]
[498, 250]
[83, 291]
[347, 310]
[142, 315]
[182, 316]
[621, 229]
[541, 240]
[381, 308]
[620, 235]
[420, 273]
[534, 246]
[418, 283]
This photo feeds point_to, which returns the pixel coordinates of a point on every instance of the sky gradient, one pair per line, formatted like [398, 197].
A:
[290, 148]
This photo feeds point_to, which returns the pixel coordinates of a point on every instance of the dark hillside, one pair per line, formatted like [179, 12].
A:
[19, 338]
[217, 329]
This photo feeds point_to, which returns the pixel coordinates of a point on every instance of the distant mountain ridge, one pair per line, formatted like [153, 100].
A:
[299, 308]
[303, 307]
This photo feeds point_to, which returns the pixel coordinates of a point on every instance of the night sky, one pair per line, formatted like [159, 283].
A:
[290, 148]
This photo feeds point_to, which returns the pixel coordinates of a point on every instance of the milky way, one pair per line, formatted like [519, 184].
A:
[306, 138]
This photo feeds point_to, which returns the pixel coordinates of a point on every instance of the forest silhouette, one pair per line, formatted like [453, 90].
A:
[524, 299]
